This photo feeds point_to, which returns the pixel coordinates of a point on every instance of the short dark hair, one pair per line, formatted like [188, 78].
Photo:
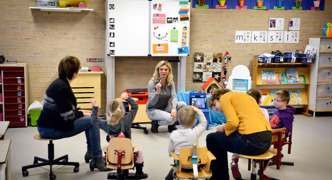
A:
[216, 95]
[284, 95]
[68, 66]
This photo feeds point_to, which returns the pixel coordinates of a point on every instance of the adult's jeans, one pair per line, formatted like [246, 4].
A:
[219, 144]
[92, 134]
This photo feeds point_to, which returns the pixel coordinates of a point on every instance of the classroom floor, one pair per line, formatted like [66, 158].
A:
[311, 153]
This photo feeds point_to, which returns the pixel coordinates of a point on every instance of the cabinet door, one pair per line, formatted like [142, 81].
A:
[325, 60]
[324, 89]
[325, 74]
[325, 45]
[324, 104]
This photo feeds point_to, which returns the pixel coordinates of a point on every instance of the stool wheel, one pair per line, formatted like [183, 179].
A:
[76, 169]
[25, 173]
[52, 176]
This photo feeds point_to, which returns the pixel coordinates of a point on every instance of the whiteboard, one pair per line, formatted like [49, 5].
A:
[131, 28]
[127, 27]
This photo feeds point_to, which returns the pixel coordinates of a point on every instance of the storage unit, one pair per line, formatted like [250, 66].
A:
[86, 87]
[303, 88]
[320, 99]
[14, 88]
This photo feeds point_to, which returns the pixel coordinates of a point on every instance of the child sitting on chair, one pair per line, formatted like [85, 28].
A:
[283, 116]
[117, 124]
[186, 135]
[235, 158]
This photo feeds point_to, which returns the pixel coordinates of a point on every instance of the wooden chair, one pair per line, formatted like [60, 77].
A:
[279, 139]
[199, 159]
[63, 160]
[120, 155]
[259, 158]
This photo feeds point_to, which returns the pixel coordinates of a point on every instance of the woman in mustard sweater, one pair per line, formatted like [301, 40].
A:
[245, 132]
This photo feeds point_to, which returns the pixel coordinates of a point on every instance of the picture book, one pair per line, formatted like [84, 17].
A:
[302, 79]
[279, 77]
[240, 85]
[292, 76]
[268, 76]
[267, 101]
[272, 92]
[285, 77]
[295, 97]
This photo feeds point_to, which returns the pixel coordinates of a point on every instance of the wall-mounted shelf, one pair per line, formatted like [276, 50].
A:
[62, 9]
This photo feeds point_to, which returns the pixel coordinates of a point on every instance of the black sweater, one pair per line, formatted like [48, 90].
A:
[60, 107]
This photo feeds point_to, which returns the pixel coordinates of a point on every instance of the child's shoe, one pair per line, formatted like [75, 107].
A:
[139, 171]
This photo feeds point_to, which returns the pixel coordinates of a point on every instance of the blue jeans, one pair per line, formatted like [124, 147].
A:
[219, 144]
[92, 134]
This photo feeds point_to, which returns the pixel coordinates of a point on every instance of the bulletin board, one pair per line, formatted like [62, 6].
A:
[147, 28]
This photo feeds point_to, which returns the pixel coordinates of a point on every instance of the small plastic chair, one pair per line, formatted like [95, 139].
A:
[199, 159]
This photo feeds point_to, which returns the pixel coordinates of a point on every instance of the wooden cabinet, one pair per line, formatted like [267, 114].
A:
[320, 99]
[303, 88]
[14, 94]
[86, 87]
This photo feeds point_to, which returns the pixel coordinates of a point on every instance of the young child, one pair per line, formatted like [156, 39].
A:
[283, 116]
[235, 158]
[186, 135]
[117, 123]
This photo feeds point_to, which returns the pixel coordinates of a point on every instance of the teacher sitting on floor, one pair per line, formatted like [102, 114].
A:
[161, 90]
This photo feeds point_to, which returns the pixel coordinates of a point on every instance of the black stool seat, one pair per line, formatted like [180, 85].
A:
[38, 162]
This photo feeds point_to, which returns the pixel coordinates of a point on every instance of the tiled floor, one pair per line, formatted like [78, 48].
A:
[311, 153]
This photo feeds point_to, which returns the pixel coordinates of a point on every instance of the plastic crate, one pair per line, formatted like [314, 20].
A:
[262, 59]
[270, 109]
[278, 59]
[34, 116]
[47, 3]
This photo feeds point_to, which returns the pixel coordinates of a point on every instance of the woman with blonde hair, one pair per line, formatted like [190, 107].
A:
[161, 90]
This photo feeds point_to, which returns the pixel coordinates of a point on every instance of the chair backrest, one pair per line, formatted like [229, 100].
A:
[120, 145]
[186, 154]
[240, 79]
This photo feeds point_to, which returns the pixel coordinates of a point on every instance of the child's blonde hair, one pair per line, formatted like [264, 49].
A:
[284, 95]
[114, 111]
[186, 116]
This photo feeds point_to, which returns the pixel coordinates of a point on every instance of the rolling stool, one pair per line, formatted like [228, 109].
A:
[260, 158]
[63, 160]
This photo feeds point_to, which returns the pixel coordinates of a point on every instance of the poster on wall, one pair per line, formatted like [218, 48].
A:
[170, 26]
[207, 65]
[294, 24]
[276, 24]
[242, 36]
[258, 36]
[275, 37]
[291, 36]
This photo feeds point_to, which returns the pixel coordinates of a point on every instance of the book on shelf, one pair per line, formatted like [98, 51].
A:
[268, 76]
[302, 79]
[279, 77]
[292, 75]
[284, 76]
[267, 100]
[295, 97]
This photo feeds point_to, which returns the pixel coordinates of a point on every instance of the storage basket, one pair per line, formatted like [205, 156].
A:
[34, 116]
[278, 59]
[47, 3]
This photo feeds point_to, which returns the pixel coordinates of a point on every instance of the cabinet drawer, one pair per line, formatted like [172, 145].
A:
[326, 45]
[325, 60]
[324, 89]
[325, 74]
[324, 104]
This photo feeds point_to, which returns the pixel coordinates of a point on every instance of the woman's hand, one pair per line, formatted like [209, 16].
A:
[86, 112]
[94, 103]
[124, 96]
[158, 86]
[173, 114]
[221, 129]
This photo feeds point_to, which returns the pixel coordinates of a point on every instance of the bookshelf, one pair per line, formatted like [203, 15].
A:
[303, 69]
[320, 99]
[14, 94]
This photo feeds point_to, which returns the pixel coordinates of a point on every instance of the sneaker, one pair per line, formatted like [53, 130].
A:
[235, 171]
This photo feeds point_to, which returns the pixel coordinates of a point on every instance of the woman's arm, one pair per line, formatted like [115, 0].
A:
[153, 96]
[173, 96]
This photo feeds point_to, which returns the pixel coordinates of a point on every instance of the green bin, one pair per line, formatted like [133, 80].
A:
[34, 115]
